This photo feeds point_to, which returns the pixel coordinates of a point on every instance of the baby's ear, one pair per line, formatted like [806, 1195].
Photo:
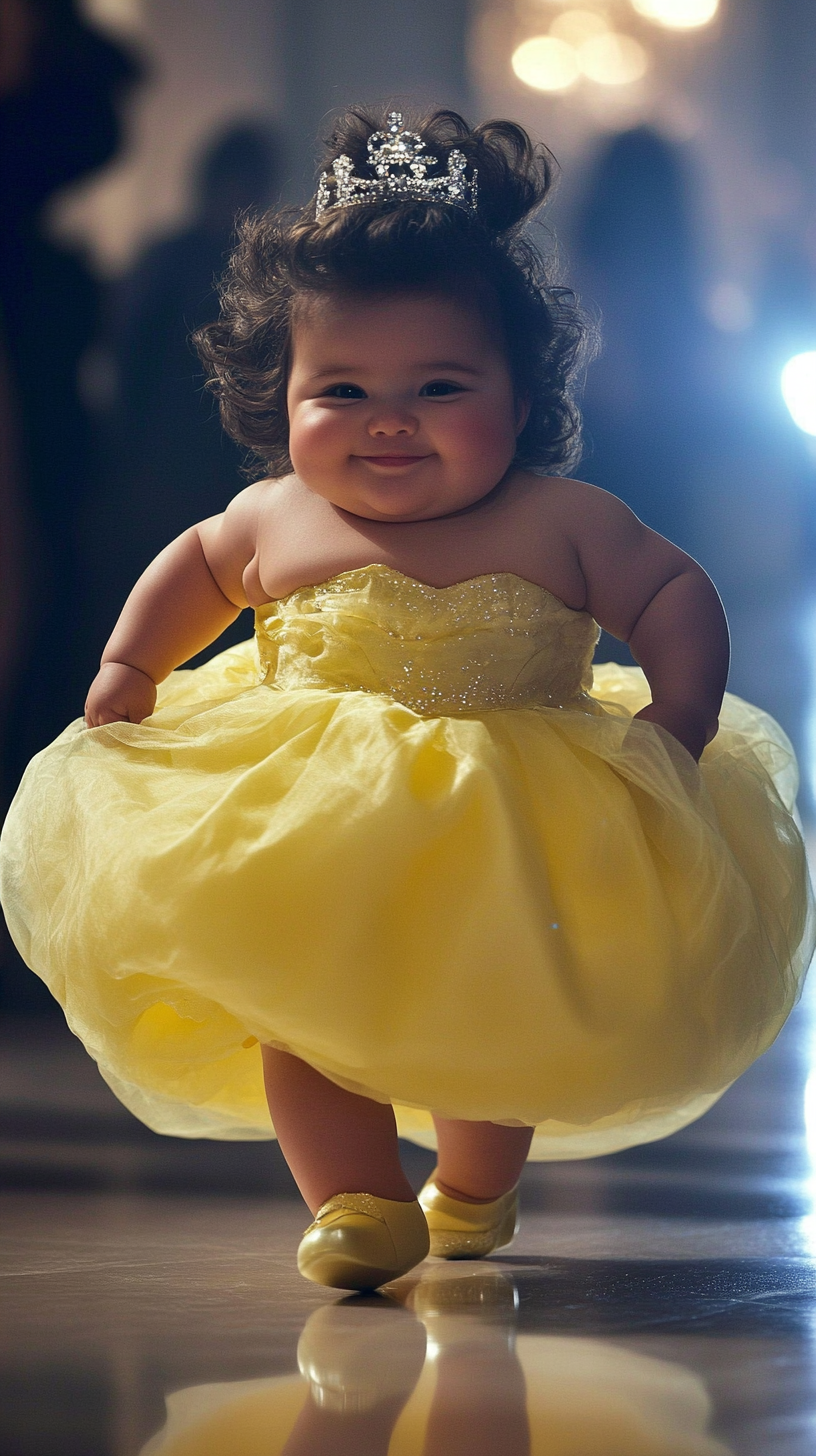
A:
[523, 404]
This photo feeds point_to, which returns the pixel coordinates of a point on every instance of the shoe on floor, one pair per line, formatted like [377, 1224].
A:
[358, 1241]
[461, 1230]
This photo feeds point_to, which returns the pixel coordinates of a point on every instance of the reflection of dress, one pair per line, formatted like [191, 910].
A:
[397, 836]
[568, 1396]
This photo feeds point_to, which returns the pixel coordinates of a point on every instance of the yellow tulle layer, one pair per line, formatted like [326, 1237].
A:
[537, 915]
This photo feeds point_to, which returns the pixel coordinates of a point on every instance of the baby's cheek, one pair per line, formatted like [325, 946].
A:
[314, 435]
[482, 436]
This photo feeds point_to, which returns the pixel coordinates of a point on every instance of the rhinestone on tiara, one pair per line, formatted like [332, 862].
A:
[396, 156]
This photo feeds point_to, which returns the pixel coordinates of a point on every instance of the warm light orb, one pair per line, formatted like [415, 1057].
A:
[678, 14]
[612, 60]
[120, 17]
[546, 63]
[799, 390]
[576, 26]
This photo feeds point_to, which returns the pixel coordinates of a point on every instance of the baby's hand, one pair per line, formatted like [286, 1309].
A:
[119, 694]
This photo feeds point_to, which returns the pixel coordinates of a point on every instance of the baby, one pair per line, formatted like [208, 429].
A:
[406, 841]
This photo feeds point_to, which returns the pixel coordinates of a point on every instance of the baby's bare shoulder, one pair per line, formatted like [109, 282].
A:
[230, 540]
[572, 510]
[572, 501]
[248, 503]
[239, 525]
[618, 557]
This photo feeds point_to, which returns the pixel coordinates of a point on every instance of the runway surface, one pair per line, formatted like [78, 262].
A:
[658, 1301]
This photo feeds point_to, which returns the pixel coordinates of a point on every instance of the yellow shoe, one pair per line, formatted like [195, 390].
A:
[358, 1241]
[468, 1230]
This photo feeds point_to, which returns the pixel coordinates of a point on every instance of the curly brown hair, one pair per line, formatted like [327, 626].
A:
[394, 244]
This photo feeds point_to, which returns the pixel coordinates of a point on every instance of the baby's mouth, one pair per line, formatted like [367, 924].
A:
[392, 461]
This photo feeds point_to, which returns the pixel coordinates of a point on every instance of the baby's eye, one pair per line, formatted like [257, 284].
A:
[345, 391]
[438, 388]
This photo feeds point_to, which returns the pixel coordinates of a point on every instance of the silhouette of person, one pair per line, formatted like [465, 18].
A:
[170, 463]
[643, 397]
[57, 69]
[60, 88]
[12, 551]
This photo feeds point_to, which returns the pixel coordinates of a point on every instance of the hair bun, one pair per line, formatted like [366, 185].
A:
[515, 174]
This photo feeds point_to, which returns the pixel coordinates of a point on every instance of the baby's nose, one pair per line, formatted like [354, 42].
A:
[393, 420]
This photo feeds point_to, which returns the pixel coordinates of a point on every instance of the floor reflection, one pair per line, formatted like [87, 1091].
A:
[641, 1286]
[442, 1370]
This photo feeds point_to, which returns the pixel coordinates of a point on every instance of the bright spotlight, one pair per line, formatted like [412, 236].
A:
[678, 14]
[799, 390]
[810, 1118]
[546, 63]
[613, 60]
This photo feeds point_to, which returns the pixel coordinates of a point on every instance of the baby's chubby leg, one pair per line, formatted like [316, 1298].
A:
[339, 1142]
[470, 1201]
[333, 1140]
[479, 1161]
[342, 1149]
[343, 1152]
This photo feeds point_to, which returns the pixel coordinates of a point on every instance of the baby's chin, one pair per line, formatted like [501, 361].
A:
[390, 503]
[400, 517]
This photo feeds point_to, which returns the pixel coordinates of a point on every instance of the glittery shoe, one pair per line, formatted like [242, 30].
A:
[468, 1230]
[358, 1241]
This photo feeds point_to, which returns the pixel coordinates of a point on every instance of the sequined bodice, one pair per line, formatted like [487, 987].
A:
[493, 641]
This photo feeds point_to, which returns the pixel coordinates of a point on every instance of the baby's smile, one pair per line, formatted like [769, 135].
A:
[393, 462]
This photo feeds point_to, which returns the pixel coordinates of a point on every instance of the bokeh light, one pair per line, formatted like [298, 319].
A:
[799, 390]
[612, 60]
[729, 307]
[120, 14]
[576, 26]
[546, 63]
[678, 14]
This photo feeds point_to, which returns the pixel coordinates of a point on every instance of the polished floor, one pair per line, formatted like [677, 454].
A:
[661, 1302]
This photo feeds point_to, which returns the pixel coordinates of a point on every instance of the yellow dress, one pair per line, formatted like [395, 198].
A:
[408, 836]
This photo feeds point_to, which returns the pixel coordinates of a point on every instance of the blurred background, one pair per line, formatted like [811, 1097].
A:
[133, 131]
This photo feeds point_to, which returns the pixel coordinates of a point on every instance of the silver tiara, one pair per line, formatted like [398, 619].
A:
[400, 169]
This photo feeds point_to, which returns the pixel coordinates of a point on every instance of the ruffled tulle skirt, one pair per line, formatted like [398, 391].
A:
[535, 915]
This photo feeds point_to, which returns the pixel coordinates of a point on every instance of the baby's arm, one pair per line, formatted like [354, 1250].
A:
[185, 599]
[650, 594]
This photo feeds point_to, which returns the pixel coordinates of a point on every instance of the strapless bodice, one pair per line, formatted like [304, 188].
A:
[494, 641]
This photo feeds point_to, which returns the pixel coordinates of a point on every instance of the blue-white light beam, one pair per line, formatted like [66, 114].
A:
[799, 390]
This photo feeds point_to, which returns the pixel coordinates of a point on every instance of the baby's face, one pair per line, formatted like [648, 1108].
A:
[401, 407]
